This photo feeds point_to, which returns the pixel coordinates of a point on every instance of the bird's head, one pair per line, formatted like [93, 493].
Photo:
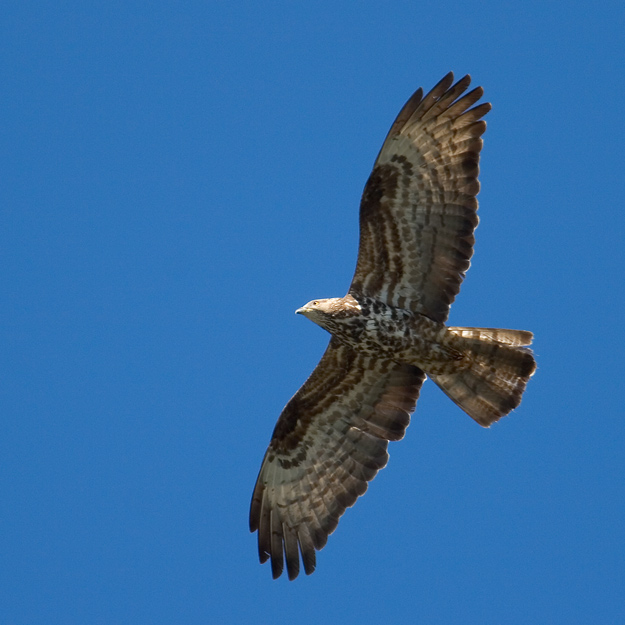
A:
[318, 308]
[326, 312]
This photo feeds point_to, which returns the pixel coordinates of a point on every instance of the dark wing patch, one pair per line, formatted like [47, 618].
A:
[330, 440]
[419, 208]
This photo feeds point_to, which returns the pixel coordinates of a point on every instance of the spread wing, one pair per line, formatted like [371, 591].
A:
[330, 440]
[419, 206]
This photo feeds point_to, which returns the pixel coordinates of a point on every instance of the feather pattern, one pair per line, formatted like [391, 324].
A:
[306, 483]
[419, 207]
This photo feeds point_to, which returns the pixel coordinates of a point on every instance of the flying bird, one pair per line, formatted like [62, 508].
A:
[418, 214]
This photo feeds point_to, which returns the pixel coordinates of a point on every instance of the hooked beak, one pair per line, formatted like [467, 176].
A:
[301, 311]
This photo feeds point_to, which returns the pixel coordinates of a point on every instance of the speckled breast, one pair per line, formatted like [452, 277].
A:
[398, 334]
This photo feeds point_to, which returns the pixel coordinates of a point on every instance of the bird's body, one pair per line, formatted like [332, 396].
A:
[382, 331]
[417, 219]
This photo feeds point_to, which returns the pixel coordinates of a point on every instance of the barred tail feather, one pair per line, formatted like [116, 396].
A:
[493, 383]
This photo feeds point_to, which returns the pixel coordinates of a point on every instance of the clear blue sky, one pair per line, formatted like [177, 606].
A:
[177, 178]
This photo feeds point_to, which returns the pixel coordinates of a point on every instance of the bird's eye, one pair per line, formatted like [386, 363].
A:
[315, 303]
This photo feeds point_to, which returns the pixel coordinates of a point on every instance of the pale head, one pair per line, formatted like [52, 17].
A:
[317, 308]
[326, 312]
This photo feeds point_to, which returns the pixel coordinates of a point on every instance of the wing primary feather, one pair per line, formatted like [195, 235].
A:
[291, 551]
[277, 556]
[264, 527]
[317, 535]
[306, 523]
[462, 104]
[406, 113]
[474, 114]
[434, 95]
[448, 97]
[307, 549]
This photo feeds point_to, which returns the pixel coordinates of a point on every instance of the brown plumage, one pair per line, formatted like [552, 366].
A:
[417, 218]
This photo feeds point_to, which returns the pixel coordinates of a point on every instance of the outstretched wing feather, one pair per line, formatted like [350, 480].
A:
[330, 441]
[419, 208]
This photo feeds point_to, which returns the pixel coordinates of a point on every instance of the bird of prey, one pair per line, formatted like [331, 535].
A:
[417, 219]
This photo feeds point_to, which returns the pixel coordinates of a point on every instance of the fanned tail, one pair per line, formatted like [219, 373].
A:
[500, 366]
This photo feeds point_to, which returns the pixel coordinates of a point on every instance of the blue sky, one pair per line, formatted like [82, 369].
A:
[178, 178]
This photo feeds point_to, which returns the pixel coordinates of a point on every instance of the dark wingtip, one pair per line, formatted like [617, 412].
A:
[277, 566]
[263, 556]
[309, 567]
[446, 80]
